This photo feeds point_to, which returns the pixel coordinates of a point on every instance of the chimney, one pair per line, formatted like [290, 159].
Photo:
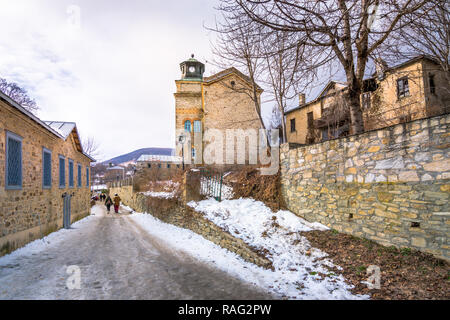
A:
[380, 67]
[301, 98]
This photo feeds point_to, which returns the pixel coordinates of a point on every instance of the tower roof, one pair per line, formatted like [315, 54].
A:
[192, 69]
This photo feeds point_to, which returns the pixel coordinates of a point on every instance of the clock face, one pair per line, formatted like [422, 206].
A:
[191, 69]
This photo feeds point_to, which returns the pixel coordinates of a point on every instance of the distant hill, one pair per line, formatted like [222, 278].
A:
[133, 156]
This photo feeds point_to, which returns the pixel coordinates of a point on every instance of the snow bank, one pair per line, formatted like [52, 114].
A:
[154, 194]
[297, 264]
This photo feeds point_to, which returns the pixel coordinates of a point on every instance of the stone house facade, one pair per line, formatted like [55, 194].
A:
[157, 167]
[39, 162]
[114, 173]
[415, 89]
[219, 102]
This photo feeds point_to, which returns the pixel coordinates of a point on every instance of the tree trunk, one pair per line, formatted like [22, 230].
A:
[356, 117]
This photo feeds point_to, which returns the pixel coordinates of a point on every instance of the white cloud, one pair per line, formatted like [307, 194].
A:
[114, 75]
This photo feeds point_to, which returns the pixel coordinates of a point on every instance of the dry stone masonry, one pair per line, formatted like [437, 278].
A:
[390, 185]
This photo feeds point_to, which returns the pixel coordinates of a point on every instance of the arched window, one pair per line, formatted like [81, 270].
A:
[193, 152]
[187, 126]
[197, 126]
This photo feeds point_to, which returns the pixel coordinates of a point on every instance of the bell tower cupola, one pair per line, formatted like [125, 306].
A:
[192, 69]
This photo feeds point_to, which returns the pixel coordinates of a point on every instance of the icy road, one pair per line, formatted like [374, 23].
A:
[116, 259]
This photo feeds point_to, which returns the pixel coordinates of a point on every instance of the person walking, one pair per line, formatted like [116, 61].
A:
[108, 203]
[116, 203]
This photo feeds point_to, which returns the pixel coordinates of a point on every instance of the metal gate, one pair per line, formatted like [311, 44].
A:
[66, 210]
[211, 184]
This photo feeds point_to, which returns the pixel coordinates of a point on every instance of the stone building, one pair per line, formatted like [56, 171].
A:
[39, 163]
[114, 173]
[412, 90]
[221, 102]
[158, 167]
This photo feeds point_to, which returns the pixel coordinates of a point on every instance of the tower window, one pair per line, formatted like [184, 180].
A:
[197, 126]
[187, 126]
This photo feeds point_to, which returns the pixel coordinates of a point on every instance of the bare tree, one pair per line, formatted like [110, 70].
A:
[283, 57]
[19, 95]
[334, 30]
[425, 32]
[239, 45]
[91, 147]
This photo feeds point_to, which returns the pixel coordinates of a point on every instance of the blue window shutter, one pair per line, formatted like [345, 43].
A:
[71, 173]
[14, 162]
[47, 169]
[62, 172]
[87, 177]
[79, 175]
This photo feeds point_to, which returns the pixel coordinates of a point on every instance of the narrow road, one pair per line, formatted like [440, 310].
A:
[118, 260]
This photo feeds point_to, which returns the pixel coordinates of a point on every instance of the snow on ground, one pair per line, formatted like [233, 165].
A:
[40, 245]
[165, 195]
[227, 192]
[297, 264]
[207, 190]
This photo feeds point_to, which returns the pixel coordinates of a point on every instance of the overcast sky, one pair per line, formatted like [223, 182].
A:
[109, 66]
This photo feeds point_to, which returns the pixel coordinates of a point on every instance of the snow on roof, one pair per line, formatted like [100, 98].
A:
[115, 168]
[63, 128]
[155, 157]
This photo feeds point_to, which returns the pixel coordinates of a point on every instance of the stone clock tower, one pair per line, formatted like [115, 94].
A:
[215, 102]
[189, 104]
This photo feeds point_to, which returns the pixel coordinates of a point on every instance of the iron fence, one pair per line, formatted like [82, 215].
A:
[211, 184]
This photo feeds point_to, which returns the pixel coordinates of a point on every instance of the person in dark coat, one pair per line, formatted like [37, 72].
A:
[108, 203]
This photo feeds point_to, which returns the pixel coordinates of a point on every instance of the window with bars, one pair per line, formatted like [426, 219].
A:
[13, 161]
[197, 126]
[402, 87]
[46, 168]
[187, 126]
[62, 172]
[79, 176]
[87, 177]
[71, 174]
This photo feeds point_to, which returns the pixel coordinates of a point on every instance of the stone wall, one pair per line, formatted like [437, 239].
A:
[177, 213]
[32, 212]
[390, 185]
